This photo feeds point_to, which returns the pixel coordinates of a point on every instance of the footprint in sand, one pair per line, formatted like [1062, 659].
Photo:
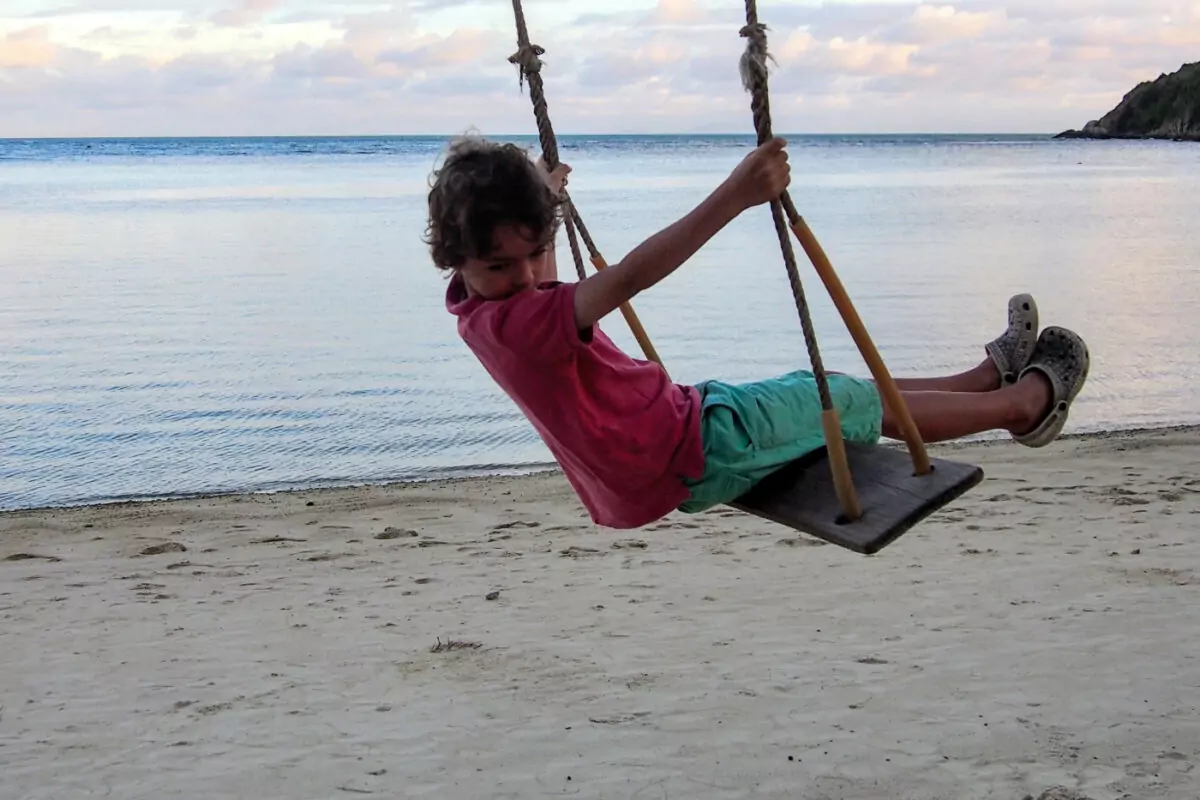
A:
[396, 533]
[580, 552]
[518, 524]
[629, 544]
[675, 526]
[1059, 793]
[802, 541]
[31, 557]
[1123, 497]
[165, 547]
[324, 557]
[1161, 576]
[618, 719]
[708, 534]
[151, 591]
[451, 645]
[723, 512]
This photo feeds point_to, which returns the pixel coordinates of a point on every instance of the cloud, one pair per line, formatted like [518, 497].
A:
[935, 24]
[678, 12]
[437, 66]
[90, 7]
[27, 49]
[246, 12]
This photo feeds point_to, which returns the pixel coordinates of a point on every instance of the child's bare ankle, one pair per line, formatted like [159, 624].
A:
[986, 377]
[1033, 397]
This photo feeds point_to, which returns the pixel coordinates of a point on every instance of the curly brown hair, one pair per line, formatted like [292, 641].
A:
[482, 186]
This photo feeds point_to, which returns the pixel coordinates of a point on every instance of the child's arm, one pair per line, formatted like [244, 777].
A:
[556, 180]
[762, 176]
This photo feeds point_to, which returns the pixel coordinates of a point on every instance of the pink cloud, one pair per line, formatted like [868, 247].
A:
[930, 24]
[28, 49]
[245, 13]
[678, 12]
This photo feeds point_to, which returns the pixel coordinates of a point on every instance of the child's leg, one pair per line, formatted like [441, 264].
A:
[943, 415]
[1033, 409]
[982, 378]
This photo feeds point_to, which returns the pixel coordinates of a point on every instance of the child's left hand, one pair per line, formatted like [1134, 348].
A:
[556, 179]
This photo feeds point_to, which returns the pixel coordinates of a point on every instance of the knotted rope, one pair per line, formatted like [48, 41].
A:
[528, 59]
[754, 79]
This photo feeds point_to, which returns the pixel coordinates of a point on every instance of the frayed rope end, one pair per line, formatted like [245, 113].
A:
[528, 59]
[753, 64]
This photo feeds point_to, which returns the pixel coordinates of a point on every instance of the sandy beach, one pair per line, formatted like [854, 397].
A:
[480, 638]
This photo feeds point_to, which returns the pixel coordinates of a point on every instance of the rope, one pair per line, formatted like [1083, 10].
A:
[754, 79]
[528, 60]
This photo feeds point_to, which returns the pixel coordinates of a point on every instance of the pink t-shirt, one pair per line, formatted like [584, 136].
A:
[623, 433]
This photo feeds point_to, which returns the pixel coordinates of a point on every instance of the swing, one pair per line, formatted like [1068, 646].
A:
[816, 494]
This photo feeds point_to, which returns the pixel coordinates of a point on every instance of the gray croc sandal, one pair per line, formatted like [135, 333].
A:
[1012, 350]
[1062, 356]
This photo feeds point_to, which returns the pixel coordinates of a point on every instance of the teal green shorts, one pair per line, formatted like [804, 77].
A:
[750, 430]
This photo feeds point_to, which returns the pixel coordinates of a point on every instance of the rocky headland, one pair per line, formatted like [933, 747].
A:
[1165, 108]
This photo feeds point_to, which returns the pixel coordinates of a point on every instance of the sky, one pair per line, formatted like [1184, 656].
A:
[329, 67]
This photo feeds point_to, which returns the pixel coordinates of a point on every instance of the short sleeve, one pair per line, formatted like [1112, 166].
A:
[539, 324]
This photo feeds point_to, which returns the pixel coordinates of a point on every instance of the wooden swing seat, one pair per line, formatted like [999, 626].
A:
[893, 498]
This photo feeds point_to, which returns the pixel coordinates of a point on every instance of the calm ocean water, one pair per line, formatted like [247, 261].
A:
[207, 315]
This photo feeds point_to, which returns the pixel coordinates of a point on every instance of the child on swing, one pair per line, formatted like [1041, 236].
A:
[634, 445]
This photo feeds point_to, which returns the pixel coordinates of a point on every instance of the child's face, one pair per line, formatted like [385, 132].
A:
[516, 263]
